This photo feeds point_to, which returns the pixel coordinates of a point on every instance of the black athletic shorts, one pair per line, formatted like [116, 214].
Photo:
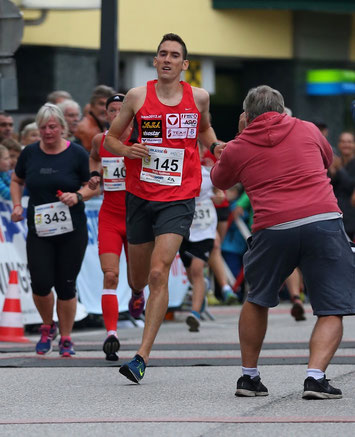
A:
[195, 249]
[146, 219]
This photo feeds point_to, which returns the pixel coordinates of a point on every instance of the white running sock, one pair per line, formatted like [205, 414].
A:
[227, 288]
[251, 371]
[112, 333]
[315, 373]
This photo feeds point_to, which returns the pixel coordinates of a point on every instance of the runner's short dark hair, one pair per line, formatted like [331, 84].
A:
[177, 38]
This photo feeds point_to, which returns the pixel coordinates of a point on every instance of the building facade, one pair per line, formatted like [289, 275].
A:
[233, 45]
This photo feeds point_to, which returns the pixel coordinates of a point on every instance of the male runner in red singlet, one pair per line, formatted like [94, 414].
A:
[163, 178]
[112, 227]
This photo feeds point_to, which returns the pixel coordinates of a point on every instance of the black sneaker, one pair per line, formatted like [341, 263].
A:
[297, 311]
[193, 322]
[320, 389]
[247, 386]
[110, 347]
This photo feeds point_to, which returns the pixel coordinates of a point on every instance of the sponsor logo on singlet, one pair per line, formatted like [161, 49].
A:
[176, 133]
[191, 132]
[179, 126]
[189, 120]
[150, 116]
[152, 131]
[172, 120]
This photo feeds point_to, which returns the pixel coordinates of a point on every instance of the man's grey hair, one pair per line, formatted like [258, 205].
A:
[101, 92]
[58, 94]
[262, 99]
[65, 104]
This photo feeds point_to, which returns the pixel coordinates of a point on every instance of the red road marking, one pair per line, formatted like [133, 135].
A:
[229, 357]
[238, 419]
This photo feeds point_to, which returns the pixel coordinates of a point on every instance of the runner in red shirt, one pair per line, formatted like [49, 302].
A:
[163, 178]
[112, 227]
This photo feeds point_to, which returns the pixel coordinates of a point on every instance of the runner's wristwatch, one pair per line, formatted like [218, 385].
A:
[213, 146]
[80, 197]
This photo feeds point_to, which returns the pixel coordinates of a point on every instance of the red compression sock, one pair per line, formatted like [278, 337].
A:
[109, 304]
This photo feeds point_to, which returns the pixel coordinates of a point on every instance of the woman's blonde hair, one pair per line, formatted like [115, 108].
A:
[47, 111]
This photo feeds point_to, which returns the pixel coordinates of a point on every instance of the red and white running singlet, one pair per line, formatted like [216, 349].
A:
[114, 179]
[173, 170]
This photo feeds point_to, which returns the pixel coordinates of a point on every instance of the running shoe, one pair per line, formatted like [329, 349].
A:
[320, 389]
[193, 322]
[249, 387]
[48, 334]
[66, 348]
[134, 370]
[136, 304]
[110, 347]
[230, 298]
[297, 311]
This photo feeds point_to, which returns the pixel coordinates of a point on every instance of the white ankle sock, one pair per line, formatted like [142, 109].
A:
[227, 288]
[251, 371]
[315, 373]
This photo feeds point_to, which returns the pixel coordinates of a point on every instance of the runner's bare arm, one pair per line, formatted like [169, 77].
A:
[95, 161]
[131, 104]
[206, 133]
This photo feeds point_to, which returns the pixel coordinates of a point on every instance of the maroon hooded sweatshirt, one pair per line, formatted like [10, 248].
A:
[282, 163]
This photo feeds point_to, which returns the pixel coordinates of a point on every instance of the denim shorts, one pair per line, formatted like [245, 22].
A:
[146, 219]
[323, 253]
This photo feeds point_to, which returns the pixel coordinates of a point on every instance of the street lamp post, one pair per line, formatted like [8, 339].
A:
[108, 66]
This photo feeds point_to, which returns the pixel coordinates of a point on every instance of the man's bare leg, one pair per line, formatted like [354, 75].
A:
[252, 330]
[139, 258]
[325, 339]
[197, 280]
[165, 249]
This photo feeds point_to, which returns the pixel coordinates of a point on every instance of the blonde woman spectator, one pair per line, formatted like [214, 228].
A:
[30, 134]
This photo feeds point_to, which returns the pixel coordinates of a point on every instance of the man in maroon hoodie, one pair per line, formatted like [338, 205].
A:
[282, 163]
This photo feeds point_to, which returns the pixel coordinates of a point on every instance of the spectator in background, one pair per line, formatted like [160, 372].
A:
[14, 148]
[24, 122]
[342, 173]
[95, 121]
[72, 115]
[322, 126]
[58, 96]
[4, 173]
[6, 126]
[30, 134]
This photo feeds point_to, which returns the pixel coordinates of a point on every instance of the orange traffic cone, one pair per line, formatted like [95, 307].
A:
[11, 325]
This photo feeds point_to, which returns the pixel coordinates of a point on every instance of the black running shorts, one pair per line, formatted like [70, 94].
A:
[147, 219]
